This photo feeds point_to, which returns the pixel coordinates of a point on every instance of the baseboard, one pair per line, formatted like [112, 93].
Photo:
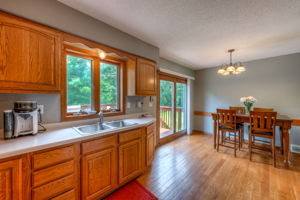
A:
[194, 132]
[295, 148]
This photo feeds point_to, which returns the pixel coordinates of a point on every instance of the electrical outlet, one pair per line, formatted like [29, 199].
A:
[41, 108]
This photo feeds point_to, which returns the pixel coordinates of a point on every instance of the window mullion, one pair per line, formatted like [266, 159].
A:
[96, 84]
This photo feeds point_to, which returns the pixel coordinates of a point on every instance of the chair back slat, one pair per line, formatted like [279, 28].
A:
[262, 121]
[263, 109]
[226, 118]
[239, 110]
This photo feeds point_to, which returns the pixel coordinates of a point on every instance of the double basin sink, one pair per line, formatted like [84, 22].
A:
[98, 128]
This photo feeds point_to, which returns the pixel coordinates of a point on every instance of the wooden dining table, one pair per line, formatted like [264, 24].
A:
[283, 121]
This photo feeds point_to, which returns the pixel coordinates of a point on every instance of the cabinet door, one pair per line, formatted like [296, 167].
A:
[11, 180]
[99, 173]
[130, 160]
[29, 56]
[146, 77]
[150, 148]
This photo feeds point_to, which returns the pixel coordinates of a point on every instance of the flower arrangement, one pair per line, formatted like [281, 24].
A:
[248, 102]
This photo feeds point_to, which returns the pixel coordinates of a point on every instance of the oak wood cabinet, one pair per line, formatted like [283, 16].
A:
[29, 56]
[99, 169]
[55, 173]
[150, 144]
[104, 164]
[145, 77]
[11, 182]
[130, 160]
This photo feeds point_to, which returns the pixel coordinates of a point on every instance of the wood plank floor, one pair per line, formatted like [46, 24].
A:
[189, 168]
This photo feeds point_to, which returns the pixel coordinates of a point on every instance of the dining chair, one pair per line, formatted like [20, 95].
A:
[263, 109]
[240, 110]
[272, 110]
[226, 123]
[262, 125]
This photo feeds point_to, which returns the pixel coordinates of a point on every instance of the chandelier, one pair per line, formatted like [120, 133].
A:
[229, 69]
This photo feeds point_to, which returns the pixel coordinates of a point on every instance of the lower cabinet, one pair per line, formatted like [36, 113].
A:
[99, 173]
[11, 180]
[130, 160]
[103, 163]
[150, 148]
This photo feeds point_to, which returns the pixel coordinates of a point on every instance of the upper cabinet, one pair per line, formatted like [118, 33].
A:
[145, 77]
[29, 56]
[141, 77]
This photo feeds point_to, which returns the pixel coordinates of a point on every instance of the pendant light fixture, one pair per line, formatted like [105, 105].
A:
[229, 69]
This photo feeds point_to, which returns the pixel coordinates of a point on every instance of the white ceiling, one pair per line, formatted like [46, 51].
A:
[197, 33]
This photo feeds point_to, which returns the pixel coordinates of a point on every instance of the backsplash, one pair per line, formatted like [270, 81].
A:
[51, 104]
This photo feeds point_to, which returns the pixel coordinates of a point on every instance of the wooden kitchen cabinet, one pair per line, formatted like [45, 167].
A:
[11, 181]
[130, 156]
[55, 173]
[150, 148]
[29, 56]
[145, 77]
[99, 169]
[150, 144]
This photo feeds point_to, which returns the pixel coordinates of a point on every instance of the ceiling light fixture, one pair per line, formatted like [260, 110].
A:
[102, 54]
[228, 69]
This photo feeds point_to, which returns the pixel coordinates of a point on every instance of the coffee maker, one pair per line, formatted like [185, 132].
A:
[25, 118]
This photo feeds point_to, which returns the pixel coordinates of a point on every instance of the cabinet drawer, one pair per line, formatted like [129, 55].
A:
[66, 196]
[150, 128]
[130, 135]
[52, 173]
[98, 144]
[52, 157]
[54, 188]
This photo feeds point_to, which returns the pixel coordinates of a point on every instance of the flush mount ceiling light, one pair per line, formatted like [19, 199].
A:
[229, 69]
[102, 54]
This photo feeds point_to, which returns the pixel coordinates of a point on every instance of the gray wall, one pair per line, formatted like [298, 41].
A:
[60, 16]
[274, 82]
[166, 64]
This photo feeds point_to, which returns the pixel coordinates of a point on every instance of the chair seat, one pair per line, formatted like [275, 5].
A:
[262, 133]
[230, 128]
[240, 124]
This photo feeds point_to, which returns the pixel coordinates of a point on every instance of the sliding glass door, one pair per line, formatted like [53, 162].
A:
[172, 107]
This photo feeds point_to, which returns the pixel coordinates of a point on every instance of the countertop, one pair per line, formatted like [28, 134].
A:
[60, 134]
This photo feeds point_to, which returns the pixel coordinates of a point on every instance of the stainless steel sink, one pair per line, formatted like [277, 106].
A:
[99, 128]
[119, 124]
[92, 129]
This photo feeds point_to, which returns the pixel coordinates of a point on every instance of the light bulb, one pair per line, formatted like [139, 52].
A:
[236, 72]
[221, 71]
[226, 73]
[230, 68]
[102, 55]
[241, 68]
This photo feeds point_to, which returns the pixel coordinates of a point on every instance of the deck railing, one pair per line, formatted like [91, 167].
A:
[166, 117]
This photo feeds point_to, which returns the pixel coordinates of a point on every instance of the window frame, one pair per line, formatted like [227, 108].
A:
[119, 85]
[93, 56]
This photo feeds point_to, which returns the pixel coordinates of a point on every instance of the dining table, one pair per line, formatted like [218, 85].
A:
[282, 121]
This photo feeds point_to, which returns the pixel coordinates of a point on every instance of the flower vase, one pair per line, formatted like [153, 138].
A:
[248, 108]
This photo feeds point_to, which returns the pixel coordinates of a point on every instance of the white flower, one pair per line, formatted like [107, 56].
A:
[249, 99]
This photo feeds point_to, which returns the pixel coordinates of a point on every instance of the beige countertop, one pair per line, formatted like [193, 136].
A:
[60, 134]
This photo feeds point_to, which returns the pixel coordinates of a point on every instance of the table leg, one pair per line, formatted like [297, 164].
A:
[286, 146]
[215, 133]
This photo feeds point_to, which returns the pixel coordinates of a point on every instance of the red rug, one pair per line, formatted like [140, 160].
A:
[132, 191]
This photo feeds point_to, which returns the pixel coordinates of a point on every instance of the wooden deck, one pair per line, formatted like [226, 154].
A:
[189, 168]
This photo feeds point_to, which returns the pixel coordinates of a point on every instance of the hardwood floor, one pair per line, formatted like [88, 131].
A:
[189, 168]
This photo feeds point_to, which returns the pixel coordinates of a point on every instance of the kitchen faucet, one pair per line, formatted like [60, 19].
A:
[100, 115]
